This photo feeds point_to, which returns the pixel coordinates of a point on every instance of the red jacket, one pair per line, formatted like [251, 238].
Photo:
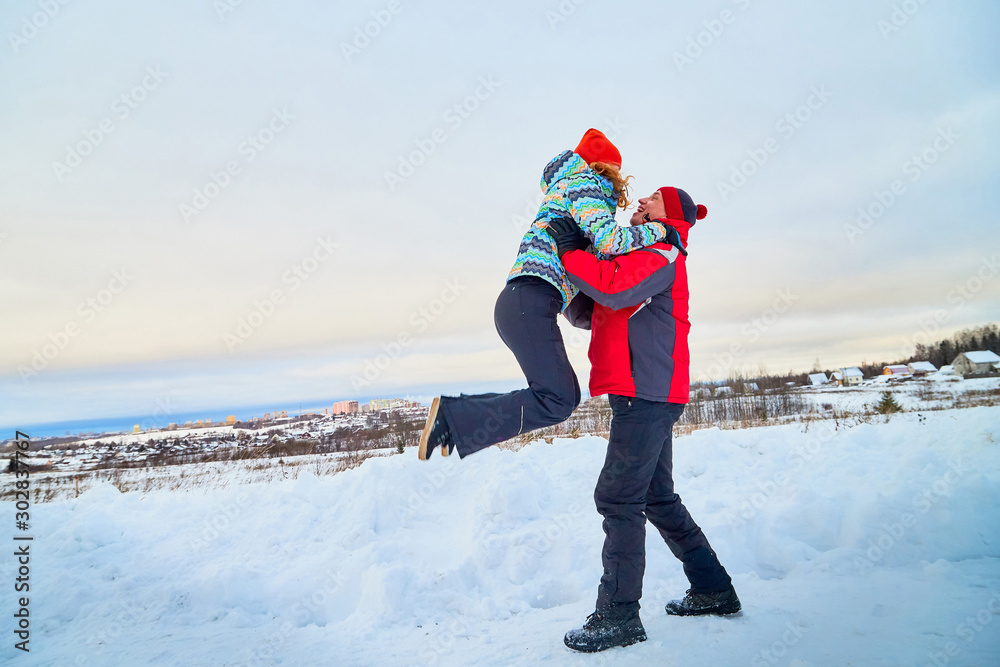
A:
[639, 323]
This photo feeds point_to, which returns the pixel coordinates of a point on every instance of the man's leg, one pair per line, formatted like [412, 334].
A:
[638, 430]
[685, 538]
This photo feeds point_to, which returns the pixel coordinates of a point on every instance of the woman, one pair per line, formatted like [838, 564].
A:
[587, 185]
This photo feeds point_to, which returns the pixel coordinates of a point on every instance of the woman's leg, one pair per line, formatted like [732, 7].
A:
[525, 317]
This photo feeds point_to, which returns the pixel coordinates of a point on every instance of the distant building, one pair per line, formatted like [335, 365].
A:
[136, 429]
[230, 420]
[922, 368]
[208, 422]
[345, 408]
[981, 361]
[749, 387]
[267, 416]
[852, 375]
[281, 414]
[200, 423]
[700, 392]
[897, 370]
[817, 379]
[837, 378]
[724, 391]
[171, 426]
[188, 424]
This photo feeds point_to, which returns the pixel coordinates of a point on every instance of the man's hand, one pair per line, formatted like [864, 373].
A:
[567, 235]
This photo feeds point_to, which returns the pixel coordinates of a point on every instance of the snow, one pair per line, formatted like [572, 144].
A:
[922, 367]
[982, 357]
[877, 544]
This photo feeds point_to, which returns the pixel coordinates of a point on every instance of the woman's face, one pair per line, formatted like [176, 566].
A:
[650, 208]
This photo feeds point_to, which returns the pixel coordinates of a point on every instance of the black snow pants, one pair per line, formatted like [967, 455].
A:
[637, 484]
[525, 317]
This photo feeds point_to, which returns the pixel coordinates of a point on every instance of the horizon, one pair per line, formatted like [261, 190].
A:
[165, 414]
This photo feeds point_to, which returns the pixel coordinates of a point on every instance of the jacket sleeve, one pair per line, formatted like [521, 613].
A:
[586, 204]
[580, 311]
[623, 281]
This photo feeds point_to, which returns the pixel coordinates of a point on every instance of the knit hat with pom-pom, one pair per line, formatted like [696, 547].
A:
[679, 205]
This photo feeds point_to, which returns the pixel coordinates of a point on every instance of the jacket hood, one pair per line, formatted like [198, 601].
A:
[568, 164]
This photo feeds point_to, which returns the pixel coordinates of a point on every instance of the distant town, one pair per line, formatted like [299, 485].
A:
[376, 405]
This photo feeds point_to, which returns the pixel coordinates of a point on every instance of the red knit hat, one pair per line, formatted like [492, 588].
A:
[679, 205]
[595, 147]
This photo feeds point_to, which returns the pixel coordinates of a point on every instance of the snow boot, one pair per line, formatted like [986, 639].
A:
[720, 603]
[604, 630]
[435, 433]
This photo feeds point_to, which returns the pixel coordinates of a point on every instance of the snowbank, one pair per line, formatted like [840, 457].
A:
[870, 546]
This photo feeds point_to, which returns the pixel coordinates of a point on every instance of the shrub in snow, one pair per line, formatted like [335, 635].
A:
[888, 404]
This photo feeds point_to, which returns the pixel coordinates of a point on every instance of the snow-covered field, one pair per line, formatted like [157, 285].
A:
[874, 545]
[937, 392]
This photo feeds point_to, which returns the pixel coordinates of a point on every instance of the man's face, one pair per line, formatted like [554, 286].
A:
[650, 208]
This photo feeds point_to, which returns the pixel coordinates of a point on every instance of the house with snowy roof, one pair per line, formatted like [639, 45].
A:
[837, 377]
[922, 367]
[817, 379]
[981, 361]
[897, 370]
[852, 375]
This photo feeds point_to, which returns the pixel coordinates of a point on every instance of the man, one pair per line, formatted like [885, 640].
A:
[639, 355]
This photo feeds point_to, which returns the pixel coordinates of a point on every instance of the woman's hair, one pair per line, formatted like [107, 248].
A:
[618, 182]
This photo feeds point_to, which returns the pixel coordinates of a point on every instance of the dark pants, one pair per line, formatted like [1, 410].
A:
[525, 317]
[637, 484]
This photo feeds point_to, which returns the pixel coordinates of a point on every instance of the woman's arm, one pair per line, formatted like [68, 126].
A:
[585, 202]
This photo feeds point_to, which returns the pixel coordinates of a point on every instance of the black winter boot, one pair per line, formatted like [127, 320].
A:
[720, 603]
[435, 433]
[605, 630]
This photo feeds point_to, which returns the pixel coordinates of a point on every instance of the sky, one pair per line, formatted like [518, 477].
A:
[216, 204]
